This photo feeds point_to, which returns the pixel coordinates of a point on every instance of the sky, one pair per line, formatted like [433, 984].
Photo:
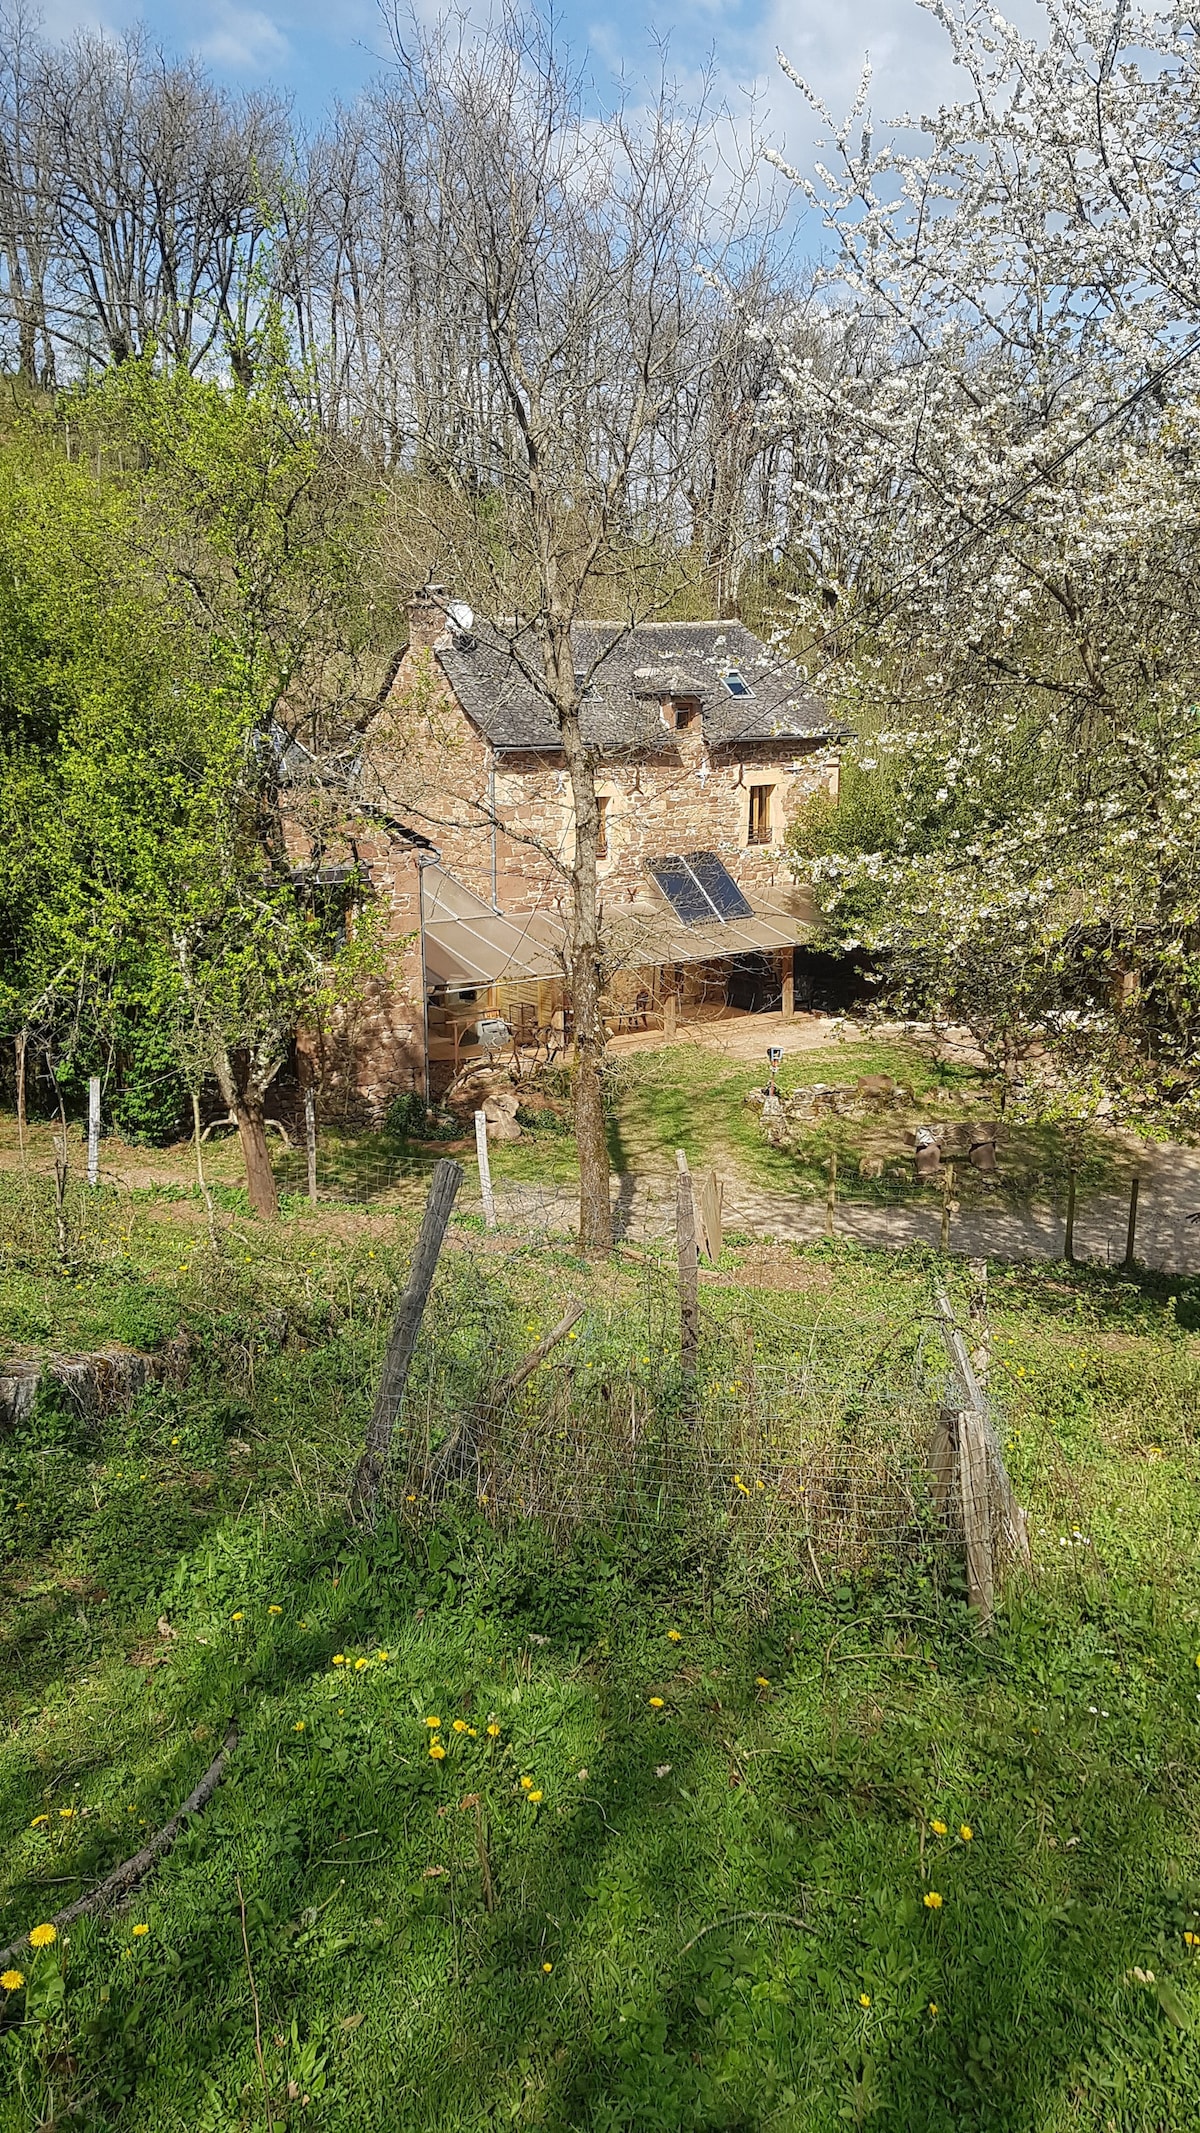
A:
[319, 50]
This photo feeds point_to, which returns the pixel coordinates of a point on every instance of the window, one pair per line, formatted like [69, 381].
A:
[735, 683]
[684, 712]
[760, 814]
[602, 826]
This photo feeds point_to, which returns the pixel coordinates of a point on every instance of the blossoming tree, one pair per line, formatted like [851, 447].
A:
[996, 567]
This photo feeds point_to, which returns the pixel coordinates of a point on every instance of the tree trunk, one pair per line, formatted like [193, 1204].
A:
[260, 1178]
[585, 976]
[245, 1102]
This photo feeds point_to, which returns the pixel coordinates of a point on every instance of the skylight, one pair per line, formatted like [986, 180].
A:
[736, 683]
[700, 888]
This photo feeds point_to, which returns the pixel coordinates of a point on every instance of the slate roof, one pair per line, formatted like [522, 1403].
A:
[630, 672]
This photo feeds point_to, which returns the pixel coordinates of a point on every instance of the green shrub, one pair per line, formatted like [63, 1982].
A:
[144, 1318]
[151, 1102]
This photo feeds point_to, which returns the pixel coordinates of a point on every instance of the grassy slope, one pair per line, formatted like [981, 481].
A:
[391, 1993]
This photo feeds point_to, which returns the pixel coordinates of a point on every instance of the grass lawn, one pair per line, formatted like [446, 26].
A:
[710, 1907]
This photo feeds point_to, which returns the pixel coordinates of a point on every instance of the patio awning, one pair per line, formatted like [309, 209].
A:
[650, 933]
[469, 945]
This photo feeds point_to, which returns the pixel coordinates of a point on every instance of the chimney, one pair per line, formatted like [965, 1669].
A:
[427, 625]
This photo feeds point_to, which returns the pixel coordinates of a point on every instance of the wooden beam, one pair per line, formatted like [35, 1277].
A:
[787, 958]
[368, 1474]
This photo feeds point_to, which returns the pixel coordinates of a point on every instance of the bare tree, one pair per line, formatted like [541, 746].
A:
[560, 257]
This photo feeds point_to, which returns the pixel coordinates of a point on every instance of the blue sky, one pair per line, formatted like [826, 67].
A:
[321, 49]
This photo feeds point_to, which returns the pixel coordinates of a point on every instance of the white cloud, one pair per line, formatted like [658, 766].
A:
[243, 40]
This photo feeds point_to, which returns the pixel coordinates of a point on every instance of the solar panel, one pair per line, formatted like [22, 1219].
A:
[682, 891]
[719, 885]
[700, 888]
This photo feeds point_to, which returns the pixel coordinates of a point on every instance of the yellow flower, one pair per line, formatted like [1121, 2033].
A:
[302, 1625]
[66, 1813]
[494, 1731]
[761, 1681]
[459, 1725]
[533, 1798]
[864, 1999]
[239, 1617]
[38, 1820]
[43, 1936]
[526, 1783]
[434, 1722]
[273, 1610]
[938, 1828]
[966, 1832]
[738, 1483]
[12, 1980]
[378, 1655]
[299, 1726]
[674, 1636]
[471, 1733]
[547, 1968]
[1191, 1940]
[437, 1751]
[359, 1665]
[932, 1900]
[933, 2007]
[140, 1931]
[656, 1703]
[339, 1658]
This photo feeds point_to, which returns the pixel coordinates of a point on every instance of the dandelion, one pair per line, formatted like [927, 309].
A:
[174, 1442]
[12, 1980]
[273, 1610]
[67, 1813]
[938, 1828]
[932, 1900]
[1191, 1940]
[378, 1655]
[526, 1784]
[966, 1832]
[738, 1483]
[761, 1681]
[933, 2007]
[359, 1664]
[656, 1703]
[434, 1722]
[38, 1821]
[459, 1726]
[674, 1636]
[533, 1798]
[864, 1999]
[140, 1932]
[493, 1731]
[547, 1968]
[471, 1733]
[299, 1726]
[238, 1617]
[43, 1936]
[437, 1752]
[339, 1658]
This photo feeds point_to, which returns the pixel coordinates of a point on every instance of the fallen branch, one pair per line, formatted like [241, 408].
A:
[738, 1918]
[126, 1877]
[458, 1452]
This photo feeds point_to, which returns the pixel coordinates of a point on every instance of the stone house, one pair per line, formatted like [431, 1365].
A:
[706, 743]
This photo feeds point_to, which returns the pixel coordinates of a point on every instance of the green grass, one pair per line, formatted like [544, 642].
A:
[716, 1884]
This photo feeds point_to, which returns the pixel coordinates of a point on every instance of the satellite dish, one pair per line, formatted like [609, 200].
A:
[460, 618]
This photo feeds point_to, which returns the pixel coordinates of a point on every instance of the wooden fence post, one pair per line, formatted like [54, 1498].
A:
[788, 988]
[831, 1196]
[947, 1193]
[20, 1062]
[368, 1474]
[689, 1276]
[93, 1173]
[977, 1513]
[1131, 1232]
[670, 1004]
[485, 1169]
[310, 1143]
[710, 1210]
